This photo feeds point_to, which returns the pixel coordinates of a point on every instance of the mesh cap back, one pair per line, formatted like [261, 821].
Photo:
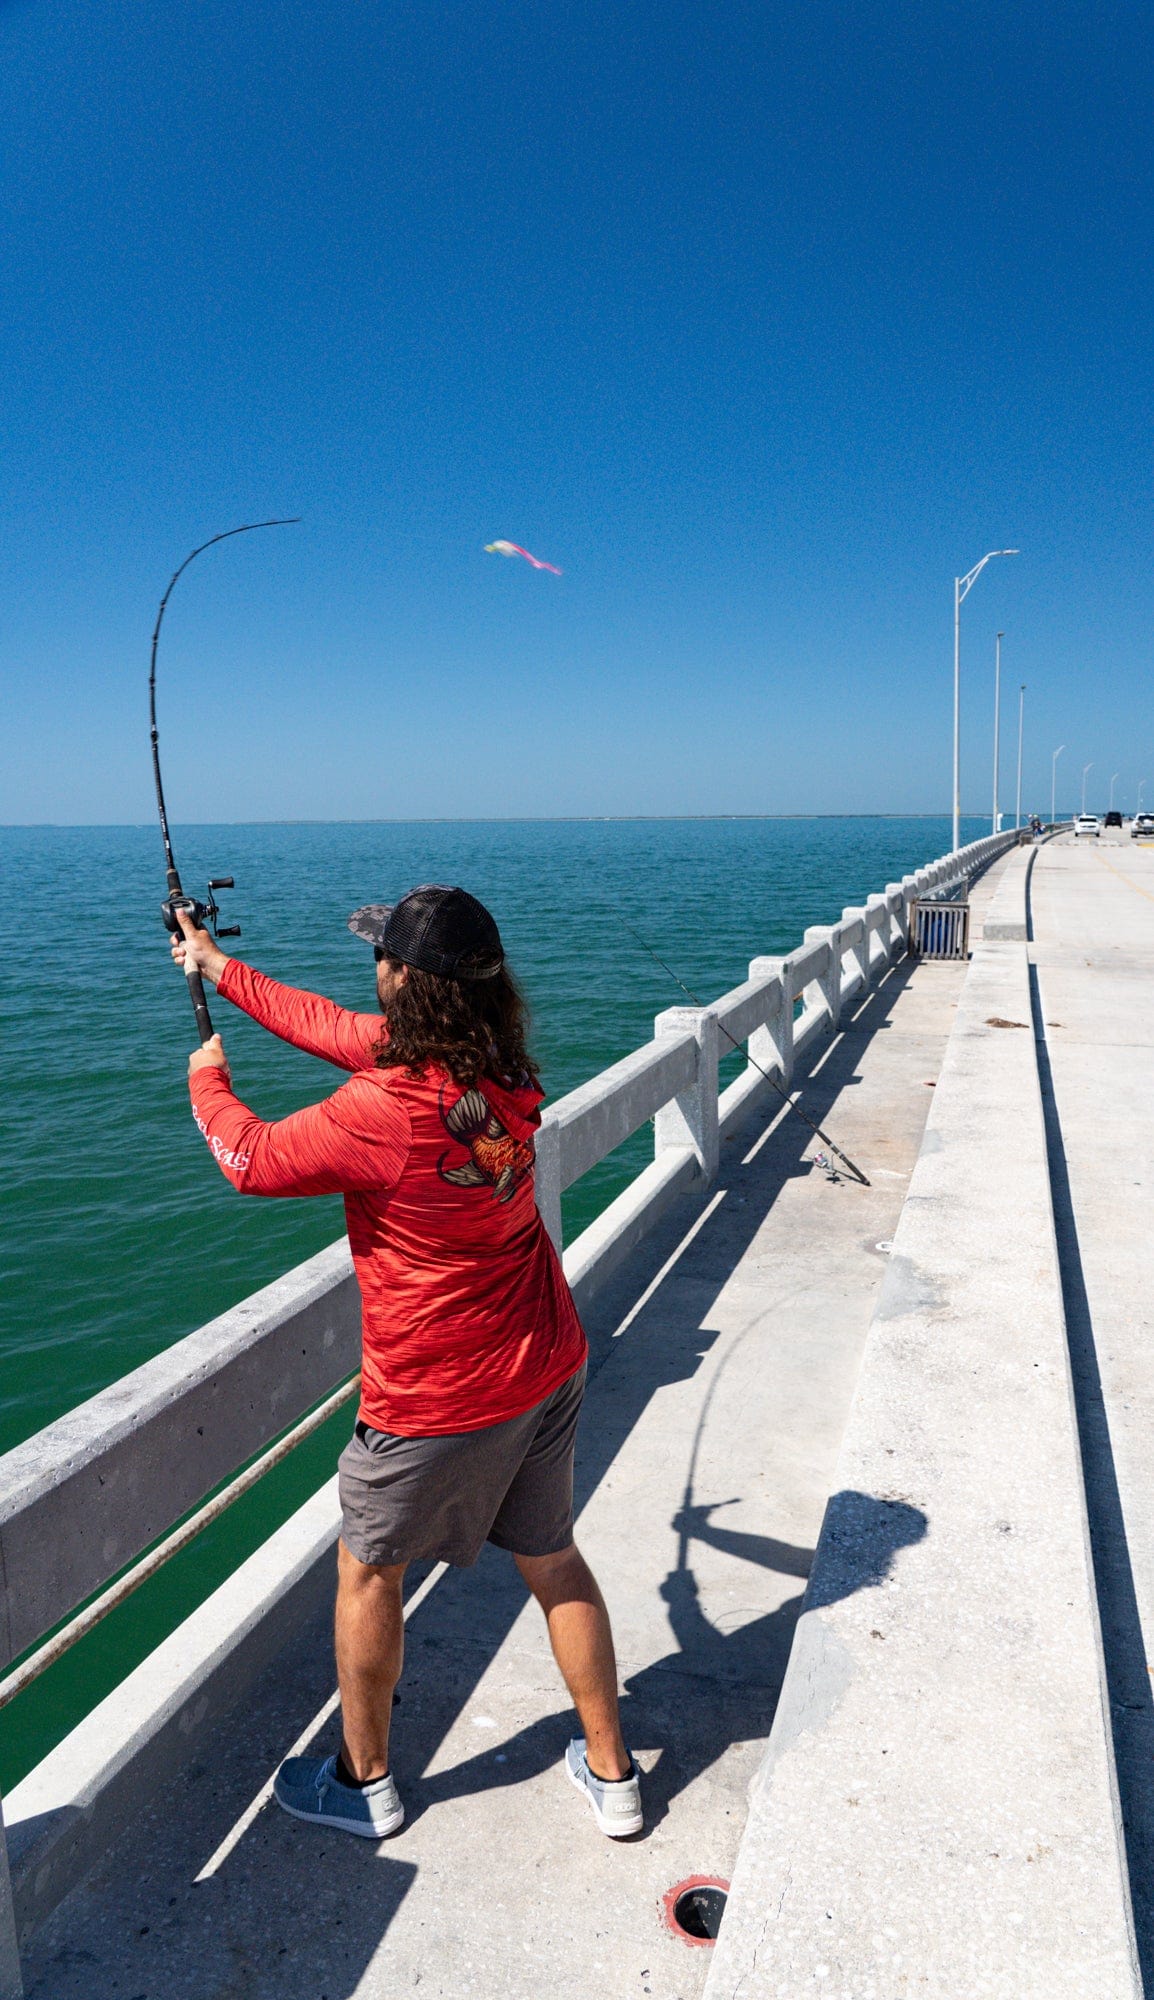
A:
[440, 930]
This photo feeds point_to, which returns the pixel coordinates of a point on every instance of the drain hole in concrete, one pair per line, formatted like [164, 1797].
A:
[698, 1912]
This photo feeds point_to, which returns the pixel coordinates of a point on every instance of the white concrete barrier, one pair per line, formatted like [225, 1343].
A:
[11, 1983]
[85, 1495]
[1006, 916]
[89, 1790]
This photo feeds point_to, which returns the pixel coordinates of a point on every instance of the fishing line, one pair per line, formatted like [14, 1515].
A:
[783, 1094]
[176, 899]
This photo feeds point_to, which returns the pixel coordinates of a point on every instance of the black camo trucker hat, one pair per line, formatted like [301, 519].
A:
[439, 930]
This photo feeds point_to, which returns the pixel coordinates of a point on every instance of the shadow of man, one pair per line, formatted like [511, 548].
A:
[716, 1687]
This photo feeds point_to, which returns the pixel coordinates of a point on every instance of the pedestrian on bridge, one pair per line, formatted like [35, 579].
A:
[473, 1355]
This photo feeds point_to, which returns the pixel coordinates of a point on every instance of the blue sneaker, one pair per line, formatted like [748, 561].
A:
[308, 1788]
[616, 1805]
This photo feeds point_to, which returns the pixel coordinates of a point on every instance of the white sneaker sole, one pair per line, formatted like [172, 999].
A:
[345, 1825]
[616, 1829]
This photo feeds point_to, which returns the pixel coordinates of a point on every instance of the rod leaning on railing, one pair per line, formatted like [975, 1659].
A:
[87, 1495]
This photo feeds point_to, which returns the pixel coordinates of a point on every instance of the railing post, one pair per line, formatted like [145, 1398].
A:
[860, 953]
[547, 1178]
[877, 925]
[11, 1984]
[828, 984]
[691, 1119]
[772, 1045]
[896, 926]
[910, 894]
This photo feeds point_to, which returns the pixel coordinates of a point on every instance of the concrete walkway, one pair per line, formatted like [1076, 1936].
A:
[1093, 950]
[724, 1372]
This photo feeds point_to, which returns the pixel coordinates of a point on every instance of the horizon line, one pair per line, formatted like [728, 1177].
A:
[486, 819]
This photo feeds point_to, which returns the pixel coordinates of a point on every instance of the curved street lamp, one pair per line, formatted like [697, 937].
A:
[1054, 781]
[1113, 782]
[1085, 768]
[1021, 716]
[962, 588]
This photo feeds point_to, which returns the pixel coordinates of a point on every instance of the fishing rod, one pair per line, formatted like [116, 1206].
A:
[769, 1077]
[176, 898]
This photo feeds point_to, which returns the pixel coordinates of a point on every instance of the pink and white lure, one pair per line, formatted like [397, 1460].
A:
[511, 549]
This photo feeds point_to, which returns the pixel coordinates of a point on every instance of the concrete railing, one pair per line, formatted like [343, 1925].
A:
[673, 1079]
[85, 1496]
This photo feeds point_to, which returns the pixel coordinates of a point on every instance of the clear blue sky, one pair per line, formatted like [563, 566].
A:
[762, 322]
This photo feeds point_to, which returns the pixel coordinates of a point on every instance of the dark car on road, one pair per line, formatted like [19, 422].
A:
[1113, 819]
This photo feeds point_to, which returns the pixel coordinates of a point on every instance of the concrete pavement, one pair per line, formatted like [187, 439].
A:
[960, 1838]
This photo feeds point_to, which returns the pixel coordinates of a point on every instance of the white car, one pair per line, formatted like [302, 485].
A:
[1143, 827]
[1087, 823]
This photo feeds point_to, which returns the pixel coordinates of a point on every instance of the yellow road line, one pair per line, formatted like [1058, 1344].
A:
[1123, 878]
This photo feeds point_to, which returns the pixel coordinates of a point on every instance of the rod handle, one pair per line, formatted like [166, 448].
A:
[199, 1003]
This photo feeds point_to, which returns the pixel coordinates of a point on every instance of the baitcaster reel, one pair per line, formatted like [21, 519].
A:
[202, 914]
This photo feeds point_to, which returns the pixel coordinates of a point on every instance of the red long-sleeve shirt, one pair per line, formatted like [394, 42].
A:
[466, 1316]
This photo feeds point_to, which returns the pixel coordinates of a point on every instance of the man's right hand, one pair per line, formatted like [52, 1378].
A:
[198, 948]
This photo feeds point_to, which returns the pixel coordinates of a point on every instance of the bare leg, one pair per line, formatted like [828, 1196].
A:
[582, 1642]
[370, 1643]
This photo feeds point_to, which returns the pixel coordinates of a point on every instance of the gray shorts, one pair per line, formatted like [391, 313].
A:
[404, 1498]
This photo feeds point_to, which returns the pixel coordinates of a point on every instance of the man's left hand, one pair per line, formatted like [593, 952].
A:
[210, 1055]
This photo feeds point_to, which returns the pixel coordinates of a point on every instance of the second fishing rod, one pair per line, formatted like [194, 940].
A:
[785, 1095]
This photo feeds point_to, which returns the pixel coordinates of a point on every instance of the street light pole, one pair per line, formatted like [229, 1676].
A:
[1054, 782]
[1141, 789]
[1113, 782]
[962, 588]
[1021, 707]
[1085, 768]
[997, 720]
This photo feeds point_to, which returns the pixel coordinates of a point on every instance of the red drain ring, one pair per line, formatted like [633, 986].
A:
[672, 1896]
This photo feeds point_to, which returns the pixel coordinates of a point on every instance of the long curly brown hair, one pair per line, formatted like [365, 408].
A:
[471, 1027]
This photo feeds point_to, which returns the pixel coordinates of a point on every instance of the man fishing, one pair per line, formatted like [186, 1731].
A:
[473, 1354]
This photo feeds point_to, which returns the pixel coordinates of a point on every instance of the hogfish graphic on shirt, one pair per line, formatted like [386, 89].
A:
[496, 1160]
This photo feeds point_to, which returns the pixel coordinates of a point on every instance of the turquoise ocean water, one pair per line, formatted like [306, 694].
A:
[119, 1234]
